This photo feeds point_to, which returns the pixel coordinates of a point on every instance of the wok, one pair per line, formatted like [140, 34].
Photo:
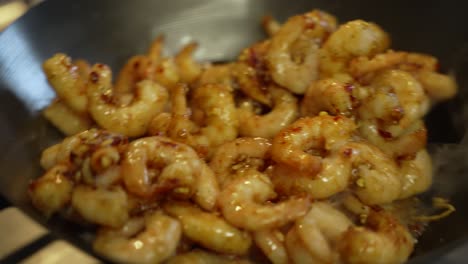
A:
[110, 31]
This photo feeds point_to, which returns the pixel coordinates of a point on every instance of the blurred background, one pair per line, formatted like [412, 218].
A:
[10, 10]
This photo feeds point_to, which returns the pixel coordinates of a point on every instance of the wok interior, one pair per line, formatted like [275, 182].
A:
[110, 32]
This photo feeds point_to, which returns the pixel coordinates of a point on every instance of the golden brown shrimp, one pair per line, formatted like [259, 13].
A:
[53, 191]
[410, 141]
[364, 68]
[107, 207]
[271, 242]
[352, 39]
[67, 81]
[217, 74]
[209, 230]
[238, 156]
[375, 177]
[416, 173]
[397, 98]
[243, 203]
[198, 256]
[188, 69]
[314, 236]
[155, 165]
[284, 111]
[294, 71]
[330, 95]
[382, 240]
[270, 25]
[213, 105]
[439, 87]
[131, 120]
[149, 239]
[251, 72]
[75, 149]
[65, 119]
[294, 144]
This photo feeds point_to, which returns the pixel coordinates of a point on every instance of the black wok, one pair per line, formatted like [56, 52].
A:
[110, 31]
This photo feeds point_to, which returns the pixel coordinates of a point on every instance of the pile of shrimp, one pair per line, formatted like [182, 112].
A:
[293, 153]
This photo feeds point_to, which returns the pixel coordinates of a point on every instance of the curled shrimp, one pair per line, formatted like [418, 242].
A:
[330, 95]
[352, 39]
[271, 242]
[198, 256]
[188, 69]
[217, 74]
[251, 72]
[409, 142]
[294, 144]
[107, 207]
[284, 112]
[68, 81]
[375, 177]
[397, 98]
[74, 150]
[243, 203]
[310, 158]
[294, 71]
[213, 108]
[313, 238]
[52, 191]
[364, 68]
[439, 87]
[149, 239]
[155, 165]
[383, 239]
[238, 156]
[209, 230]
[417, 174]
[131, 120]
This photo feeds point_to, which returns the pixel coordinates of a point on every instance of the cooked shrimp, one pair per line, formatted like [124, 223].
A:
[74, 149]
[251, 72]
[217, 74]
[131, 120]
[107, 207]
[350, 40]
[155, 165]
[270, 25]
[375, 176]
[412, 140]
[209, 230]
[188, 69]
[323, 133]
[271, 242]
[243, 203]
[213, 104]
[293, 68]
[439, 87]
[397, 99]
[314, 236]
[67, 81]
[417, 174]
[198, 256]
[52, 191]
[382, 240]
[131, 73]
[364, 68]
[65, 119]
[238, 156]
[284, 112]
[330, 95]
[151, 239]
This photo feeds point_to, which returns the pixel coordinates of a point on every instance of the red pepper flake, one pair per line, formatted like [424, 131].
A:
[349, 87]
[347, 152]
[296, 129]
[94, 77]
[385, 134]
